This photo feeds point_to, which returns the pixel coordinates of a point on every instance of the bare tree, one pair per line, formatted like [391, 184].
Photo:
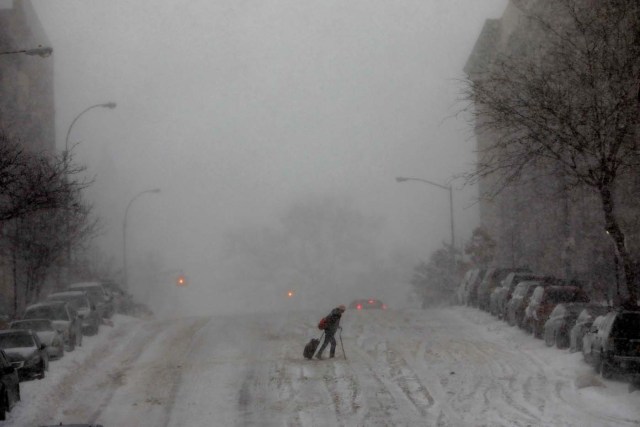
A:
[565, 97]
[32, 182]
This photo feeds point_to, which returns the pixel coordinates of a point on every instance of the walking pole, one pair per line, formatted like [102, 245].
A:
[342, 345]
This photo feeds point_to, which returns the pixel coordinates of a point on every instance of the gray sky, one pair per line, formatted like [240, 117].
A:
[235, 108]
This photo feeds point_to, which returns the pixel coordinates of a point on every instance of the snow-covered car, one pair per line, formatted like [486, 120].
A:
[365, 304]
[26, 353]
[502, 294]
[9, 385]
[98, 294]
[89, 317]
[46, 333]
[64, 318]
[519, 301]
[583, 324]
[470, 295]
[544, 300]
[614, 343]
[490, 281]
[561, 320]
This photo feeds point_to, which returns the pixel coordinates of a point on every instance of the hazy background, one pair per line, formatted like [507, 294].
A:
[241, 110]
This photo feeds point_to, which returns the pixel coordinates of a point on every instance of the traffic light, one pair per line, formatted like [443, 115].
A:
[290, 294]
[181, 281]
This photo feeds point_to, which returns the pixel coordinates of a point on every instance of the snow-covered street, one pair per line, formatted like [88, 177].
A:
[450, 367]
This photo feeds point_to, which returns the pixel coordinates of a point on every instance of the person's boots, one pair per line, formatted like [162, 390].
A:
[319, 356]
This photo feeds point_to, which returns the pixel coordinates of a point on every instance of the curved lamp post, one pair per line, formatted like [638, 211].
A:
[110, 105]
[40, 51]
[449, 188]
[124, 233]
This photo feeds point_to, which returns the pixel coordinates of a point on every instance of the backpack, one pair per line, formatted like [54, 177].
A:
[323, 324]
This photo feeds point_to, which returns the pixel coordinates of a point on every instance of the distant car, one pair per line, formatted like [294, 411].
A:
[365, 304]
[47, 334]
[9, 385]
[490, 281]
[98, 294]
[614, 343]
[87, 312]
[544, 299]
[64, 318]
[561, 320]
[26, 353]
[583, 324]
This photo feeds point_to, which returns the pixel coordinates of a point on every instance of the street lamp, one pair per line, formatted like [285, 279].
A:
[110, 105]
[124, 233]
[40, 51]
[449, 188]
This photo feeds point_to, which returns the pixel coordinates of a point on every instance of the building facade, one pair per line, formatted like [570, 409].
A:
[539, 221]
[26, 104]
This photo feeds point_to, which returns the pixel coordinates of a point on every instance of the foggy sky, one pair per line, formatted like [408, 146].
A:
[235, 108]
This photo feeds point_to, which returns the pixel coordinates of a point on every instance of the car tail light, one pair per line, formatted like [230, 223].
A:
[359, 306]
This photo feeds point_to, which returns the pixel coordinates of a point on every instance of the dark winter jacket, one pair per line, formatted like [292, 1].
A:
[333, 321]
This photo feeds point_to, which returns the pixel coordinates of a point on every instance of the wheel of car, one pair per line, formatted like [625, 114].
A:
[562, 340]
[604, 368]
[4, 405]
[547, 339]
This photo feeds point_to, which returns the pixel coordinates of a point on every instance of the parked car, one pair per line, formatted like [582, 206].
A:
[490, 281]
[614, 343]
[502, 294]
[583, 324]
[26, 353]
[47, 334]
[64, 318]
[89, 317]
[519, 301]
[561, 320]
[98, 294]
[469, 277]
[543, 301]
[365, 304]
[9, 385]
[471, 294]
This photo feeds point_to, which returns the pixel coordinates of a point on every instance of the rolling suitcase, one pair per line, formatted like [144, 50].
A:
[311, 347]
